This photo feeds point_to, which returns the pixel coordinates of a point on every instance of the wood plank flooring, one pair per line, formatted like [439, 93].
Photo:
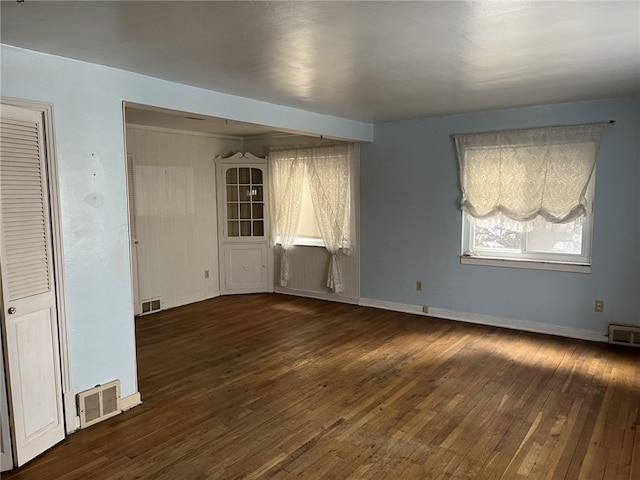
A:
[277, 387]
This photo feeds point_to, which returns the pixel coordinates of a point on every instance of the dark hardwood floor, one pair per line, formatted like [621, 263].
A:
[271, 386]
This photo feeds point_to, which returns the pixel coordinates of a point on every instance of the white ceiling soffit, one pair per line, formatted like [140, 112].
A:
[368, 61]
[171, 119]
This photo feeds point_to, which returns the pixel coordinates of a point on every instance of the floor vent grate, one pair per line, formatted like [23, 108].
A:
[99, 403]
[150, 306]
[624, 335]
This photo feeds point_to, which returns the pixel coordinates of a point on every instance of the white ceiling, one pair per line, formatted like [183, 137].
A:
[368, 61]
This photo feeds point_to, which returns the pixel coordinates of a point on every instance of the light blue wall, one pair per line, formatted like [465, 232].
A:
[87, 102]
[411, 224]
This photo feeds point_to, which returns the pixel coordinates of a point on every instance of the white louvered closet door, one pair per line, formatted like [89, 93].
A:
[28, 291]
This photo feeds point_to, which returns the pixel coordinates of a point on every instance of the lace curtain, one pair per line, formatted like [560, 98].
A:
[330, 185]
[286, 174]
[522, 178]
[328, 169]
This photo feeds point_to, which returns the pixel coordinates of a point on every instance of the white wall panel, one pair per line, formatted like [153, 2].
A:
[308, 270]
[163, 190]
[176, 213]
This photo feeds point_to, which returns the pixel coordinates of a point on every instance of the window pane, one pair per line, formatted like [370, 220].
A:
[245, 211]
[232, 194]
[256, 176]
[258, 211]
[547, 241]
[245, 229]
[232, 176]
[243, 176]
[308, 226]
[232, 210]
[233, 229]
[496, 237]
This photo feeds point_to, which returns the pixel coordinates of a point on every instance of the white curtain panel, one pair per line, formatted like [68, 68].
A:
[330, 184]
[524, 177]
[286, 174]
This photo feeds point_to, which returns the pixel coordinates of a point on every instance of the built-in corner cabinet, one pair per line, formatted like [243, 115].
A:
[243, 224]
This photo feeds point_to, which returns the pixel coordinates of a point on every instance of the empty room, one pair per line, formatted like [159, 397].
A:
[363, 240]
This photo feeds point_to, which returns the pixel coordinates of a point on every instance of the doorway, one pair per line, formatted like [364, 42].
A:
[173, 208]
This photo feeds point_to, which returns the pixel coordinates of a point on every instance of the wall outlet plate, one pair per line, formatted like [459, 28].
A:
[599, 306]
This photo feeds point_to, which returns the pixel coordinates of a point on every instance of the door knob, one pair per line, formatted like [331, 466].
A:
[11, 310]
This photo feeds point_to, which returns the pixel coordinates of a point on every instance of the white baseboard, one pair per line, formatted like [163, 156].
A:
[515, 324]
[127, 403]
[72, 419]
[396, 307]
[178, 302]
[332, 297]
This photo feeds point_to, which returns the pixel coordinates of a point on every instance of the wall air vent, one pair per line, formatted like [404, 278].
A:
[99, 403]
[150, 306]
[624, 335]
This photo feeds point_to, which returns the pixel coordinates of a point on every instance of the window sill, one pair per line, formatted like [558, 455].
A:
[529, 264]
[306, 242]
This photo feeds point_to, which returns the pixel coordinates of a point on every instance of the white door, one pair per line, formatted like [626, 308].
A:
[29, 316]
[243, 224]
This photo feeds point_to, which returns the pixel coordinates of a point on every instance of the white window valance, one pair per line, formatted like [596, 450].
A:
[526, 176]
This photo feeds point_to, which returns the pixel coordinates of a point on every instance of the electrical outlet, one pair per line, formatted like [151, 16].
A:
[206, 274]
[425, 309]
[419, 285]
[599, 306]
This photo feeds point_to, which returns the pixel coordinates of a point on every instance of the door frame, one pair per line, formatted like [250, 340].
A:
[72, 420]
[133, 240]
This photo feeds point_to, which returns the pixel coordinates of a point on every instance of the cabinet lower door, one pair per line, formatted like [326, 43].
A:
[245, 268]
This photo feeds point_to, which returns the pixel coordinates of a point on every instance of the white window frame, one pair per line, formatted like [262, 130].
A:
[305, 242]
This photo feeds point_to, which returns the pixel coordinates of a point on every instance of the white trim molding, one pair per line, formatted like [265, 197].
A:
[71, 417]
[179, 302]
[530, 264]
[127, 403]
[489, 320]
[331, 297]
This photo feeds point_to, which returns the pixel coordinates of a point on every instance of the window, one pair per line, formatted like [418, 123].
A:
[308, 231]
[540, 244]
[316, 183]
[528, 195]
[245, 203]
[292, 172]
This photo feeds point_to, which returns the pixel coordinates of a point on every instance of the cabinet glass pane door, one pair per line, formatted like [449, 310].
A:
[245, 202]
